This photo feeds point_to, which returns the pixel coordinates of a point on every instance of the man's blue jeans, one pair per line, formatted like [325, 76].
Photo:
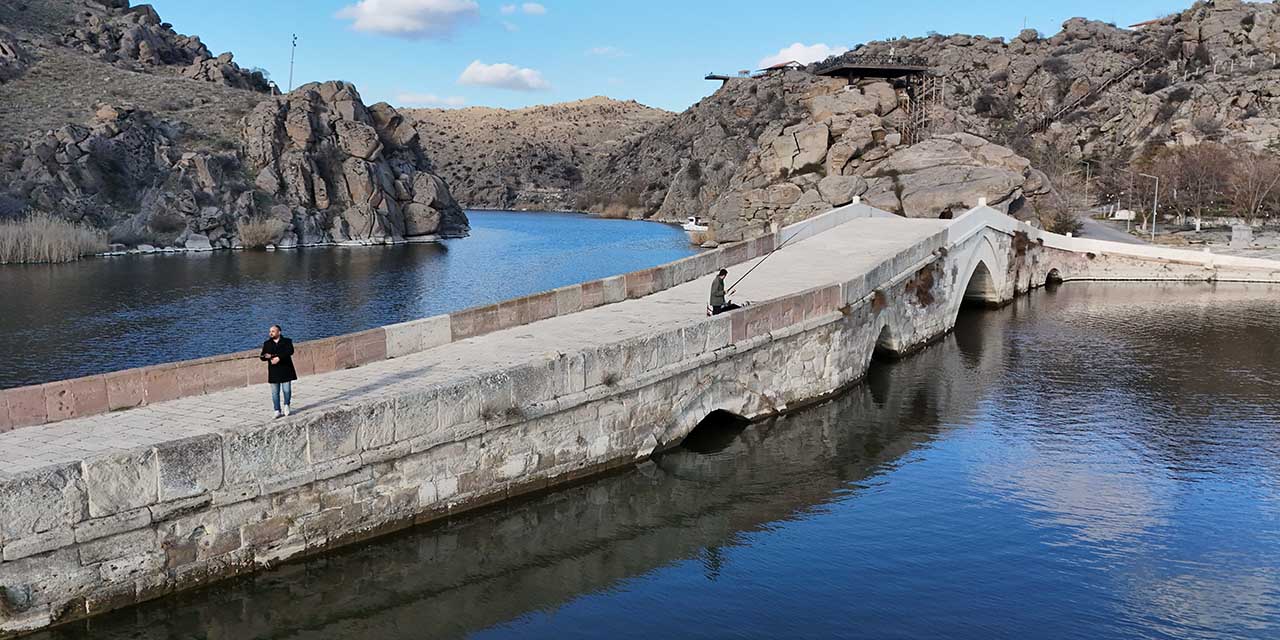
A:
[275, 393]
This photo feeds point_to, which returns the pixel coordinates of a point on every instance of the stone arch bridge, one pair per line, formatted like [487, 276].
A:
[136, 484]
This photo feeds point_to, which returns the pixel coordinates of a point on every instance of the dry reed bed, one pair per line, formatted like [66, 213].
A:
[45, 238]
[257, 233]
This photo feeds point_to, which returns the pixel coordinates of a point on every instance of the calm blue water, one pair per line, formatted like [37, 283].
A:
[1099, 462]
[67, 320]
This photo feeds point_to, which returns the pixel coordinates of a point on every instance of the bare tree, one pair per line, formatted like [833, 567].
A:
[1252, 188]
[1194, 178]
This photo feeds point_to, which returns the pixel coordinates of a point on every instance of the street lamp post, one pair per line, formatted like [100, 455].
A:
[293, 49]
[1088, 168]
[1155, 201]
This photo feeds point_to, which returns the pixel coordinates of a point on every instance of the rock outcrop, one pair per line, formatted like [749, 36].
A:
[114, 32]
[125, 172]
[13, 60]
[317, 166]
[681, 167]
[787, 144]
[193, 151]
[342, 171]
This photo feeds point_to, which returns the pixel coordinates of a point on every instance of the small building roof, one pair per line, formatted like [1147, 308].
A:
[783, 65]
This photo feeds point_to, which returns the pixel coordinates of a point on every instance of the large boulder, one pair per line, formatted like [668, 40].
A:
[840, 190]
[948, 174]
[13, 60]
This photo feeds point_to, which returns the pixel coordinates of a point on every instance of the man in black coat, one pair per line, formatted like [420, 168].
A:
[277, 352]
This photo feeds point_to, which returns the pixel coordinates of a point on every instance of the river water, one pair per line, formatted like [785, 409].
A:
[98, 315]
[1094, 462]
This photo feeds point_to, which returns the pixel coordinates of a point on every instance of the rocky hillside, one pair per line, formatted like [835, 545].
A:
[1206, 73]
[530, 158]
[788, 143]
[113, 119]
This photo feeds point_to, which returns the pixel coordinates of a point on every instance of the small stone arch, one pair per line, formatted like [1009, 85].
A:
[714, 432]
[886, 345]
[1053, 277]
[984, 280]
[981, 287]
[719, 397]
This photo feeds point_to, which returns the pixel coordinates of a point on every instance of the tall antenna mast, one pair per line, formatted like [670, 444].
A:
[292, 50]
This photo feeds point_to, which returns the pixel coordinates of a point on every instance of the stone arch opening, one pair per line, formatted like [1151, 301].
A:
[715, 432]
[1053, 278]
[981, 289]
[886, 346]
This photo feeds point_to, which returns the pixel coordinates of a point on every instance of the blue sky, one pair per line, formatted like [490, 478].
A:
[514, 54]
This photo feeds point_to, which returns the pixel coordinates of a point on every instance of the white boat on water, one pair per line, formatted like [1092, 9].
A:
[694, 224]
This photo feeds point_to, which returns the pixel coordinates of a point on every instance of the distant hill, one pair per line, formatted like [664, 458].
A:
[532, 158]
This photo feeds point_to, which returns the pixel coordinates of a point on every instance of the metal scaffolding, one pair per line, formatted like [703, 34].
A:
[926, 96]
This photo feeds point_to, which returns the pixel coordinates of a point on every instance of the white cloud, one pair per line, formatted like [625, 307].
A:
[802, 53]
[606, 52]
[510, 26]
[529, 8]
[409, 18]
[503, 76]
[429, 100]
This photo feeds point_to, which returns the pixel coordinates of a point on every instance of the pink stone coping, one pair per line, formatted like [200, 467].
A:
[121, 390]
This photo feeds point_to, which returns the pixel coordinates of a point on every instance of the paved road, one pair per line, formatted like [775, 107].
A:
[840, 254]
[1102, 230]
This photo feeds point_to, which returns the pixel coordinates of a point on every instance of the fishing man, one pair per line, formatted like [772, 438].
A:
[719, 304]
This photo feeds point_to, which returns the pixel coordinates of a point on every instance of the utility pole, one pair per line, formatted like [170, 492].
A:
[292, 51]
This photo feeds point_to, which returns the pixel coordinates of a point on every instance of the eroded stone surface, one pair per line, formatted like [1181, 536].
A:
[120, 481]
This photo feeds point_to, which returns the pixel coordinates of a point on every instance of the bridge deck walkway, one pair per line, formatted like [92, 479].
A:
[836, 255]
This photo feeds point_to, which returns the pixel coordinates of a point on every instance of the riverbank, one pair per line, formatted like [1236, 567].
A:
[201, 304]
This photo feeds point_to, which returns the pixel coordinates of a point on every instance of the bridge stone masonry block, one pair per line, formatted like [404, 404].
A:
[141, 521]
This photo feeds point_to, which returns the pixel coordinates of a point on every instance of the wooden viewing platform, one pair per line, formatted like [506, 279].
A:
[875, 67]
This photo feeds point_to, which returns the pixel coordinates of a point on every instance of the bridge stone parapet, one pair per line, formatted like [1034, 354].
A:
[102, 511]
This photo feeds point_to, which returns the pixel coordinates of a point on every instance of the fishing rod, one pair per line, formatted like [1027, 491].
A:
[775, 250]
